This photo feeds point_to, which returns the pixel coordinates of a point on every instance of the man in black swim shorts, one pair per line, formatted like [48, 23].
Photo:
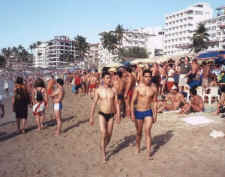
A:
[108, 103]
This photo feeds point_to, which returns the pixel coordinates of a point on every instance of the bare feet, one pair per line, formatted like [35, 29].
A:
[137, 151]
[149, 156]
[57, 134]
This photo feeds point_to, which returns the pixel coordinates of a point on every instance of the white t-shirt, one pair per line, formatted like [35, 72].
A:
[6, 84]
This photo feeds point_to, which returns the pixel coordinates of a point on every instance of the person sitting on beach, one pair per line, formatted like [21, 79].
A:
[109, 108]
[2, 108]
[58, 96]
[40, 101]
[145, 111]
[196, 103]
[174, 100]
[221, 103]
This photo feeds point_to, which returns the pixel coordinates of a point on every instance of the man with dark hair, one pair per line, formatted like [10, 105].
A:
[130, 82]
[119, 87]
[109, 107]
[58, 96]
[196, 103]
[145, 111]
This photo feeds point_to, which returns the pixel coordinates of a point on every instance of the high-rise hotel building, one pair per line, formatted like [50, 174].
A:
[180, 26]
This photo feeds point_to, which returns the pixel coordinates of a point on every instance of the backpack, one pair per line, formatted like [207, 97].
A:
[39, 96]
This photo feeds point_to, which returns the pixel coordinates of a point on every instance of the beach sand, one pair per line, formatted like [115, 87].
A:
[179, 149]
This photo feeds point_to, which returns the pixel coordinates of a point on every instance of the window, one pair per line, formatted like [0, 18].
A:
[197, 12]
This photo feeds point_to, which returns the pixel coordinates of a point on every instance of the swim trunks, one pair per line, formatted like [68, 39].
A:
[120, 96]
[58, 106]
[140, 115]
[38, 108]
[108, 116]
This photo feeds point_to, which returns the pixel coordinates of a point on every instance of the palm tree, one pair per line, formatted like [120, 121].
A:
[6, 52]
[200, 39]
[119, 31]
[2, 61]
[81, 46]
[109, 41]
[38, 43]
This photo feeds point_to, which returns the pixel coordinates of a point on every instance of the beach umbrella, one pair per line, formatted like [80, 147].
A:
[114, 65]
[142, 60]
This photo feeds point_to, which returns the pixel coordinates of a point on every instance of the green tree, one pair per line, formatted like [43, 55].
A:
[2, 61]
[200, 39]
[119, 31]
[81, 46]
[109, 41]
[133, 52]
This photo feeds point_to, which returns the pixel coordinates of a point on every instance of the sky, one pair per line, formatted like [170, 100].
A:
[27, 21]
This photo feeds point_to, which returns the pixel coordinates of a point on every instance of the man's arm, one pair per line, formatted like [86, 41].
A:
[55, 93]
[117, 108]
[155, 105]
[96, 98]
[134, 97]
[127, 87]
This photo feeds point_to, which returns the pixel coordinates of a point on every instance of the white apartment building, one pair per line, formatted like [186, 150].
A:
[60, 49]
[93, 56]
[149, 38]
[40, 55]
[54, 52]
[216, 29]
[180, 26]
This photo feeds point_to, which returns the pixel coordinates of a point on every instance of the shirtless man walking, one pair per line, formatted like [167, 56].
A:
[130, 84]
[143, 115]
[58, 96]
[92, 85]
[119, 86]
[108, 108]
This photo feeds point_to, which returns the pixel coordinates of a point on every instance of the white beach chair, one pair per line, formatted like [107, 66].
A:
[200, 91]
[210, 93]
[187, 91]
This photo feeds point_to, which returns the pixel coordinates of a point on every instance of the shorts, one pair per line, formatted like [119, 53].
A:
[57, 106]
[140, 115]
[73, 89]
[38, 108]
[92, 86]
[50, 91]
[78, 86]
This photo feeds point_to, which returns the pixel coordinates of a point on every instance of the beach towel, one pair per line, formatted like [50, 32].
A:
[197, 120]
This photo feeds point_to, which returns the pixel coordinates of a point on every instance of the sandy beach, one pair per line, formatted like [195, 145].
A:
[179, 149]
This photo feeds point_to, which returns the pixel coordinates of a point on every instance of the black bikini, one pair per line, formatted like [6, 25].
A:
[106, 116]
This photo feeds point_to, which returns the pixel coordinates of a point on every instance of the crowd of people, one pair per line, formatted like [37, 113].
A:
[136, 92]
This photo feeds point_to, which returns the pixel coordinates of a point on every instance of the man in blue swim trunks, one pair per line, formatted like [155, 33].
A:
[144, 113]
[108, 108]
[58, 96]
